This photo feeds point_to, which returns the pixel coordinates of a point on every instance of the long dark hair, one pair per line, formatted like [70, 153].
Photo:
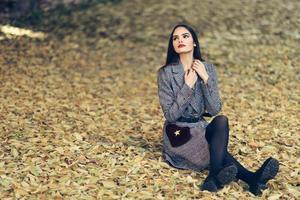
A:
[172, 56]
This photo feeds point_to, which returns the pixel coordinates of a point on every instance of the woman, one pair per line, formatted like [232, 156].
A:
[187, 86]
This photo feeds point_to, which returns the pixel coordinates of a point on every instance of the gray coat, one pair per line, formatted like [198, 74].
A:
[178, 99]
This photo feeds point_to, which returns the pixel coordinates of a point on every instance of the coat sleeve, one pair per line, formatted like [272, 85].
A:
[212, 101]
[173, 105]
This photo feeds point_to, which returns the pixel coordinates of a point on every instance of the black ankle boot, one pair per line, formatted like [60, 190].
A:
[267, 171]
[226, 174]
[210, 184]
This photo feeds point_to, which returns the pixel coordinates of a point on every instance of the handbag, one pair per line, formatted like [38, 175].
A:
[178, 135]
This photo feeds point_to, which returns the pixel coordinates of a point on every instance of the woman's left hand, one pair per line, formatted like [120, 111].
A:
[199, 67]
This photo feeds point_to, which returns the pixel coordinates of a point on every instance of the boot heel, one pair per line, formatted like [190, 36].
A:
[256, 189]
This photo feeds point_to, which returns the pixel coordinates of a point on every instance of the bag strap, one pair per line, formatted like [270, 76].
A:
[206, 114]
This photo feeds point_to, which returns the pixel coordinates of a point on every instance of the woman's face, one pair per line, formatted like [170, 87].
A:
[182, 40]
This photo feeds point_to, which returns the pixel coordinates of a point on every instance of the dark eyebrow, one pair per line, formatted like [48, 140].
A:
[182, 34]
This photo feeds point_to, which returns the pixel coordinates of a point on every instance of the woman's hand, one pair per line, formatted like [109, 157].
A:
[190, 77]
[199, 67]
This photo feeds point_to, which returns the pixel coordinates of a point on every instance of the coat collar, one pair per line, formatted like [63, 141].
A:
[177, 67]
[178, 72]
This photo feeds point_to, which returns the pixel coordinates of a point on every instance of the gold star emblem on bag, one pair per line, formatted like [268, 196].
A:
[177, 132]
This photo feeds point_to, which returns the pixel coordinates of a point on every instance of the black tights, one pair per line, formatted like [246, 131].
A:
[217, 136]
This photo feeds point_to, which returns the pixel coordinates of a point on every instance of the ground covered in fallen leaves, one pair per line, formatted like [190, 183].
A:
[80, 116]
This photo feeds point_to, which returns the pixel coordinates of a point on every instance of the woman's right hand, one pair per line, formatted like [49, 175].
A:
[190, 77]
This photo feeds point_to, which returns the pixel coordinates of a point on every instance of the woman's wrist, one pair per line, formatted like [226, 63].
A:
[188, 85]
[205, 79]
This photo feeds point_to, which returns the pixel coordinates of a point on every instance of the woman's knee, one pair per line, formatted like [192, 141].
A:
[222, 119]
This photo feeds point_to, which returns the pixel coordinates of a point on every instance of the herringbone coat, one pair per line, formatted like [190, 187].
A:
[178, 99]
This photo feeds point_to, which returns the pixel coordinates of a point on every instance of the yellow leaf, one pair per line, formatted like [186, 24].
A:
[14, 152]
[138, 159]
[78, 136]
[274, 196]
[109, 184]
